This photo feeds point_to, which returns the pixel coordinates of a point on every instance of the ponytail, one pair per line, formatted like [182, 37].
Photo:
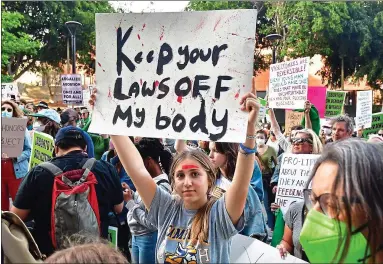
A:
[166, 159]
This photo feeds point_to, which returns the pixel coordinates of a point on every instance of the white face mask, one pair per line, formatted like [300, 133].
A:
[260, 141]
[327, 131]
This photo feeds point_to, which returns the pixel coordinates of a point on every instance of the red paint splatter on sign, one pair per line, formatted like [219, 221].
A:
[234, 34]
[138, 36]
[141, 82]
[179, 99]
[162, 32]
[214, 100]
[156, 84]
[99, 64]
[237, 95]
[216, 23]
[143, 26]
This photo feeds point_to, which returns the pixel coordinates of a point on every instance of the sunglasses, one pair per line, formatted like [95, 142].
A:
[6, 109]
[330, 204]
[298, 141]
[380, 135]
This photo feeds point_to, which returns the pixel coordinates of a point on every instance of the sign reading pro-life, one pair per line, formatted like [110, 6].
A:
[174, 75]
[293, 176]
[71, 89]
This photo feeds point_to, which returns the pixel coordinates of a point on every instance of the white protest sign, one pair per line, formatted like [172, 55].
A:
[245, 249]
[174, 75]
[9, 89]
[363, 109]
[288, 84]
[12, 136]
[293, 176]
[71, 89]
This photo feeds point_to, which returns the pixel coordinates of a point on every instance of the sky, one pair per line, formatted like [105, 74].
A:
[150, 6]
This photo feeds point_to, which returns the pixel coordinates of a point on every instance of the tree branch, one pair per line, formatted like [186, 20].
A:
[24, 70]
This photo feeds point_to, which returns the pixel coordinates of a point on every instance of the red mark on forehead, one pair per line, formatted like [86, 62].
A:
[188, 167]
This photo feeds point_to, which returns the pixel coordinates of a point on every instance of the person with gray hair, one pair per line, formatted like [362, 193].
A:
[345, 201]
[342, 127]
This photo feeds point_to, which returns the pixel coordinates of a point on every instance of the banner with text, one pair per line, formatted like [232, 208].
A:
[179, 75]
[9, 91]
[12, 136]
[294, 173]
[363, 109]
[292, 118]
[42, 149]
[376, 125]
[317, 96]
[71, 89]
[288, 84]
[334, 103]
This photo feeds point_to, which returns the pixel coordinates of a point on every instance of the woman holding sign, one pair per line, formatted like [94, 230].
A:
[345, 219]
[192, 224]
[13, 170]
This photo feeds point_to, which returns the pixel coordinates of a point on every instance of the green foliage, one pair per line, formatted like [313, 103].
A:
[13, 40]
[44, 21]
[6, 78]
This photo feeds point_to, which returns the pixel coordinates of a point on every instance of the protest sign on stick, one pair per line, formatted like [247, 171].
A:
[42, 149]
[71, 89]
[292, 118]
[246, 249]
[376, 125]
[12, 136]
[288, 84]
[294, 173]
[179, 75]
[334, 103]
[363, 109]
[262, 110]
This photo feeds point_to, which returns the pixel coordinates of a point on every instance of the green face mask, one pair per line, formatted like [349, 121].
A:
[320, 236]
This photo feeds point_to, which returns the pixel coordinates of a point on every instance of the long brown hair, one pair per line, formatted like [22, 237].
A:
[16, 110]
[200, 224]
[230, 150]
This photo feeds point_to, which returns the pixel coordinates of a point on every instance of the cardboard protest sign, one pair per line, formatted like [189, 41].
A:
[334, 103]
[292, 118]
[363, 109]
[9, 90]
[245, 249]
[288, 84]
[112, 236]
[12, 136]
[42, 149]
[262, 109]
[317, 96]
[179, 75]
[376, 125]
[71, 89]
[294, 173]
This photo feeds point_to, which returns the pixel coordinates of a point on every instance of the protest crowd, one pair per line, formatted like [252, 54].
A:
[313, 191]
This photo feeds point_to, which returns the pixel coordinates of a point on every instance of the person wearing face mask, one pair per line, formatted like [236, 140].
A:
[344, 222]
[268, 159]
[13, 170]
[47, 121]
[22, 104]
[326, 133]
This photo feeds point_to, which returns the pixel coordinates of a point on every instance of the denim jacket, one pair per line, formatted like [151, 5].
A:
[275, 177]
[255, 224]
[21, 163]
[256, 181]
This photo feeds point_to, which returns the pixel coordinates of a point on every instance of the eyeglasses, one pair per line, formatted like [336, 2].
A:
[328, 203]
[298, 141]
[6, 109]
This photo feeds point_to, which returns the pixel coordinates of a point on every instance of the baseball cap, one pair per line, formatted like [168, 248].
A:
[48, 113]
[68, 115]
[42, 104]
[69, 132]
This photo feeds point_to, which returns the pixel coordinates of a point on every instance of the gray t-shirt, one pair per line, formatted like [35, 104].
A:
[293, 219]
[173, 222]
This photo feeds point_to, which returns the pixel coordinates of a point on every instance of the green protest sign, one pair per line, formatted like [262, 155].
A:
[42, 149]
[334, 103]
[112, 236]
[262, 110]
[376, 125]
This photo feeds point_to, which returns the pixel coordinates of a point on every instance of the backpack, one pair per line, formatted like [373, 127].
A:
[74, 202]
[18, 245]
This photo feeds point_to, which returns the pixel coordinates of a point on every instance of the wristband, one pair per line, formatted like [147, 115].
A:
[251, 136]
[247, 150]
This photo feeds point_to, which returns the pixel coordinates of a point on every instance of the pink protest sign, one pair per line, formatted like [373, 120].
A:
[317, 96]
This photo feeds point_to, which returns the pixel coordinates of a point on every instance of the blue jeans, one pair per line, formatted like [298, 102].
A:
[144, 248]
[267, 202]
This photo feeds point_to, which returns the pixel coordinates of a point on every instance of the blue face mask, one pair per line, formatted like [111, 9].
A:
[6, 114]
[21, 107]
